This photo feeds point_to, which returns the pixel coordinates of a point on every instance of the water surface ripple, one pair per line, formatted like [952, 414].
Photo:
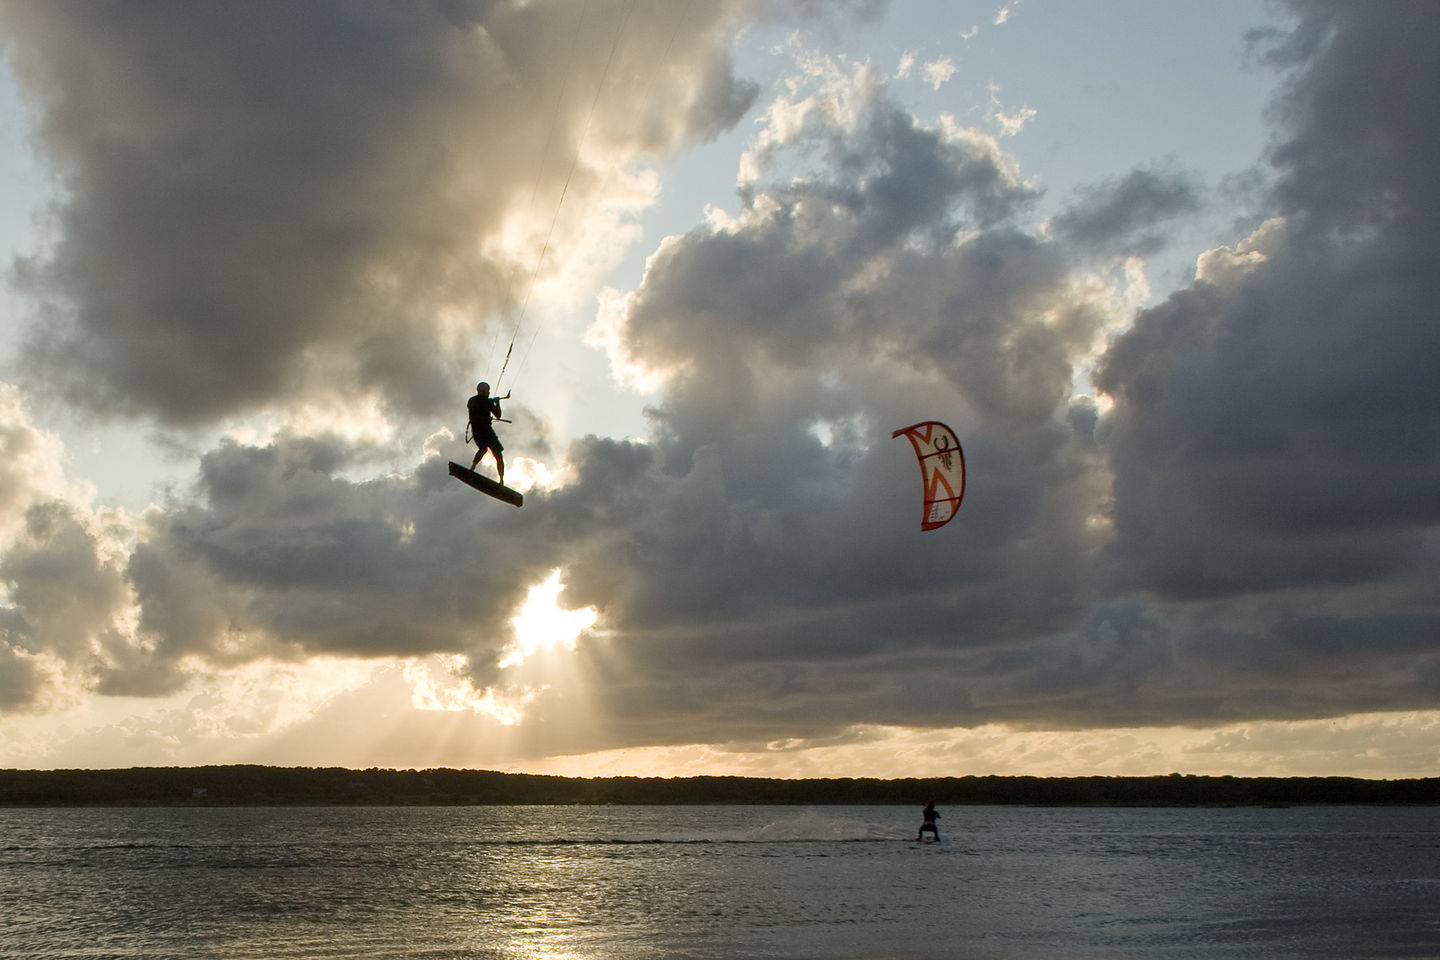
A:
[828, 883]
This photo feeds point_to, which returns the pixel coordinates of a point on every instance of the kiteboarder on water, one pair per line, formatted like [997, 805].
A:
[485, 409]
[930, 816]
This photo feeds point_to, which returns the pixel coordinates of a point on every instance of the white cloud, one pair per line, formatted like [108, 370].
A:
[373, 221]
[1239, 536]
[1010, 124]
[1228, 265]
[31, 466]
[1381, 746]
[937, 72]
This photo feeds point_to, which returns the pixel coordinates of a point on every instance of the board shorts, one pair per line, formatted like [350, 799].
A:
[486, 439]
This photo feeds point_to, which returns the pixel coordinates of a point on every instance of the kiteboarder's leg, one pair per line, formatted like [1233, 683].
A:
[490, 444]
[493, 444]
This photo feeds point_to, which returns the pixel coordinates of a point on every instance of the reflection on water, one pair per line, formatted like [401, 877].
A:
[550, 883]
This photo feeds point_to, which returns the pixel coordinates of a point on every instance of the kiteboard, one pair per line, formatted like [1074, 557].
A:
[485, 484]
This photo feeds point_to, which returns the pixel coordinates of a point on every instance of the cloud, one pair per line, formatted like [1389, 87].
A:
[1271, 437]
[1354, 145]
[938, 72]
[1288, 400]
[1010, 124]
[1124, 215]
[1374, 745]
[64, 602]
[1249, 532]
[733, 556]
[278, 556]
[1244, 529]
[263, 206]
[777, 560]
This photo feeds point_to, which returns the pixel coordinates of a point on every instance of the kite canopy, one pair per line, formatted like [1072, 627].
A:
[942, 468]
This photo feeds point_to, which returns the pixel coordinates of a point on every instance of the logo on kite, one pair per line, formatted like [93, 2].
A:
[942, 468]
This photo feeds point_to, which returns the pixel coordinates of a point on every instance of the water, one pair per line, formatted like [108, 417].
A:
[829, 883]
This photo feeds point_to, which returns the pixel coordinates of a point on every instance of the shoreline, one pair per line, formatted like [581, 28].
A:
[256, 785]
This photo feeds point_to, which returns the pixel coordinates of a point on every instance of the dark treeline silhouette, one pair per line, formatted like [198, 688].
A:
[230, 785]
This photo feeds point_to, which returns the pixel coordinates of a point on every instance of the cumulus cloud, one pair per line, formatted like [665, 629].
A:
[64, 602]
[1290, 398]
[277, 555]
[1245, 528]
[1124, 215]
[887, 287]
[264, 204]
[1271, 439]
[938, 72]
[772, 552]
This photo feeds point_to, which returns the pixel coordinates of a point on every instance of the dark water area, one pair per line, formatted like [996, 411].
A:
[700, 882]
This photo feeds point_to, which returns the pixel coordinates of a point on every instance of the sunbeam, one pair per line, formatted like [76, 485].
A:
[542, 624]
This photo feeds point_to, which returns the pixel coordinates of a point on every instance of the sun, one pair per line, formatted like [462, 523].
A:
[542, 625]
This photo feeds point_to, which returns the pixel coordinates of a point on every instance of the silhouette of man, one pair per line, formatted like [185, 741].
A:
[483, 411]
[928, 823]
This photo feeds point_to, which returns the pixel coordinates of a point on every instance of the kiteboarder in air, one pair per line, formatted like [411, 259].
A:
[485, 409]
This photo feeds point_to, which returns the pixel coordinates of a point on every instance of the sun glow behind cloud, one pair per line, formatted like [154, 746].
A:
[542, 625]
[443, 682]
[295, 595]
[302, 708]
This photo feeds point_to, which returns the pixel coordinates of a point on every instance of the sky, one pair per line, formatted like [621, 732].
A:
[1167, 270]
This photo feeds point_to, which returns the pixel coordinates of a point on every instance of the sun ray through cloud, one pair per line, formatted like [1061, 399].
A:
[260, 257]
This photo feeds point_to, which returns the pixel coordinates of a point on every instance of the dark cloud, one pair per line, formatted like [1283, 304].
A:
[62, 585]
[284, 199]
[744, 557]
[64, 596]
[21, 682]
[1274, 425]
[1355, 125]
[56, 580]
[279, 556]
[1273, 438]
[1248, 532]
[1124, 215]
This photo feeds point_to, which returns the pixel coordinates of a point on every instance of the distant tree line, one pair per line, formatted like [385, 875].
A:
[334, 786]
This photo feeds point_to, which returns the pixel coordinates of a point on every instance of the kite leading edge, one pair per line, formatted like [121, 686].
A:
[942, 468]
